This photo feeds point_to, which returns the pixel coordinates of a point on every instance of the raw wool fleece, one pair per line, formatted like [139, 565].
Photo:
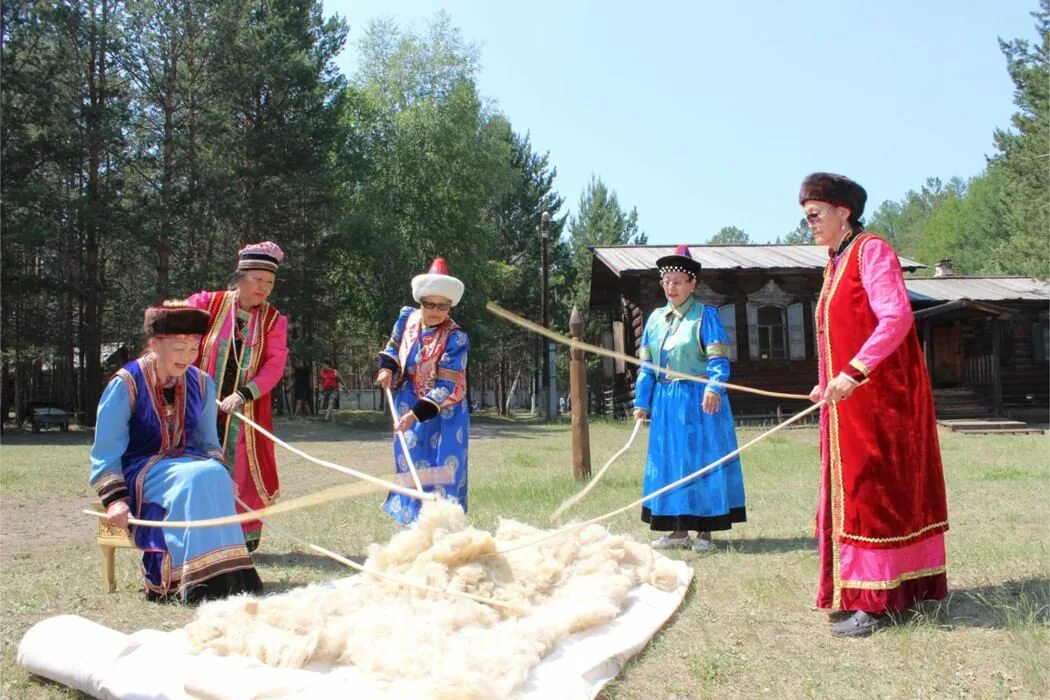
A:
[428, 645]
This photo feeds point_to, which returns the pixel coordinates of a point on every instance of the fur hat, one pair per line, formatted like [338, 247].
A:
[834, 189]
[260, 256]
[681, 261]
[175, 318]
[437, 282]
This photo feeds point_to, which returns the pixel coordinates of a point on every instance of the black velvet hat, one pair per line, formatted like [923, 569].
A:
[681, 261]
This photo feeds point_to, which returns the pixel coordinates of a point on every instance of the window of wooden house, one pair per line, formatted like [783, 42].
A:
[1041, 341]
[796, 332]
[728, 315]
[770, 326]
[776, 325]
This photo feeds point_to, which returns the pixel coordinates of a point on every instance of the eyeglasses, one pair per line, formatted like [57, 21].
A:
[815, 216]
[664, 282]
[430, 306]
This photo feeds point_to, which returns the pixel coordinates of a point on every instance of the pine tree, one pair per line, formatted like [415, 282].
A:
[599, 220]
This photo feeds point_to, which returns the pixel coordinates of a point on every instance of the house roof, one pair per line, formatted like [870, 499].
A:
[942, 289]
[639, 259]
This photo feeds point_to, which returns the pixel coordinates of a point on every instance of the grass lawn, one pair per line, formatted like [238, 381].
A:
[746, 629]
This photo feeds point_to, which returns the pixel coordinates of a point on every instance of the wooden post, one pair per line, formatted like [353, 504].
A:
[997, 359]
[581, 439]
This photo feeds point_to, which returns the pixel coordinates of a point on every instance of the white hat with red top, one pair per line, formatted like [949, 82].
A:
[437, 282]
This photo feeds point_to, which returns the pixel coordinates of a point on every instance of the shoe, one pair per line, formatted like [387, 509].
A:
[701, 545]
[859, 624]
[839, 615]
[668, 542]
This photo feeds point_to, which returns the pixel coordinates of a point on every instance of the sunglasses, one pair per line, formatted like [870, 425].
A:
[815, 216]
[430, 306]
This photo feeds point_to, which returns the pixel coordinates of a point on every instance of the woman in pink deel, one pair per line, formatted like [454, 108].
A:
[244, 352]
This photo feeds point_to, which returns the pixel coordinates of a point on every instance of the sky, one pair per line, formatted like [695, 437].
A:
[708, 114]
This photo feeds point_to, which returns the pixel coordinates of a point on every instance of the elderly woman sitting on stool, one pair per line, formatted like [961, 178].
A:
[156, 456]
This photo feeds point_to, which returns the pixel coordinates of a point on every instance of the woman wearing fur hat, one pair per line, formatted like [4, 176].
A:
[882, 511]
[156, 456]
[245, 350]
[691, 424]
[426, 359]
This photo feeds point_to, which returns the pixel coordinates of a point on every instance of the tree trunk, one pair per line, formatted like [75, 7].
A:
[167, 181]
[91, 347]
[501, 384]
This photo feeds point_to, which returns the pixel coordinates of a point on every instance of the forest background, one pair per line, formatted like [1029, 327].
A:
[143, 142]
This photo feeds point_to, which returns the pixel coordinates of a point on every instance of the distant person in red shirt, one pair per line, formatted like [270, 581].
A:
[330, 383]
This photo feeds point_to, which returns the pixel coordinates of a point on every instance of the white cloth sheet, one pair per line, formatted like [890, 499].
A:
[153, 665]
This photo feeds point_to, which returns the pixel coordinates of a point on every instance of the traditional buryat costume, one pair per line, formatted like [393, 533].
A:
[429, 366]
[883, 511]
[682, 437]
[156, 447]
[251, 365]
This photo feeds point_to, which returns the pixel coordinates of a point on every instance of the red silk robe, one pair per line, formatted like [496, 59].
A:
[883, 509]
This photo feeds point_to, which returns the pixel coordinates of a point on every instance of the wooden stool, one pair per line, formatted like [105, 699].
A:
[109, 540]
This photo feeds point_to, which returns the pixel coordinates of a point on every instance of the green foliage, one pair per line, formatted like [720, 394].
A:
[206, 126]
[1024, 153]
[999, 221]
[800, 235]
[437, 160]
[599, 220]
[729, 235]
[144, 141]
[903, 223]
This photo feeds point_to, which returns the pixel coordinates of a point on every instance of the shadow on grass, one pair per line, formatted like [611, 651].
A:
[343, 429]
[51, 438]
[1010, 604]
[306, 559]
[493, 427]
[769, 545]
[368, 426]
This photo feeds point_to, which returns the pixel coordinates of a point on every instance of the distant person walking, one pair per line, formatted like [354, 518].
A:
[301, 390]
[330, 383]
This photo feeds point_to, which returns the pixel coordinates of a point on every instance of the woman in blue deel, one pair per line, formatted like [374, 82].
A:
[425, 359]
[691, 423]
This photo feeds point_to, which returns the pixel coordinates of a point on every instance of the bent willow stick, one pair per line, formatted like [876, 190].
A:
[397, 488]
[527, 542]
[401, 438]
[573, 500]
[579, 344]
[333, 494]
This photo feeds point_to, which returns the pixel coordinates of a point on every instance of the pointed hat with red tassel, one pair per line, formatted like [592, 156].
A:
[437, 282]
[681, 261]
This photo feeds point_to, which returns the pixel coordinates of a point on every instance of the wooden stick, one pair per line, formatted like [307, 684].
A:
[536, 328]
[333, 494]
[401, 438]
[573, 500]
[673, 485]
